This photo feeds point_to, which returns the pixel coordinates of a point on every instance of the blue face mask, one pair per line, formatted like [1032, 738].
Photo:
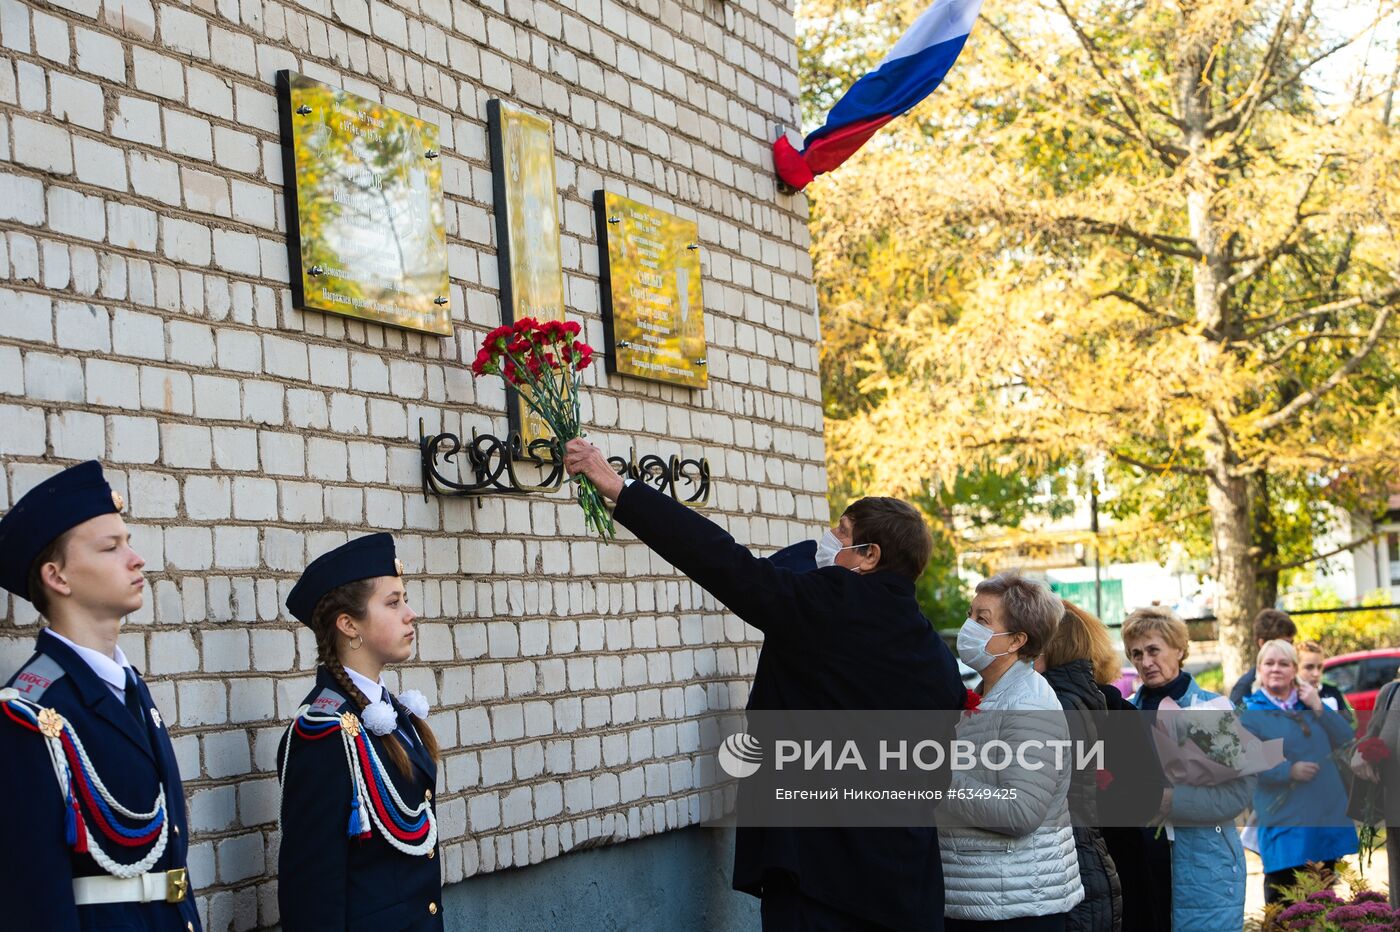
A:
[828, 546]
[972, 645]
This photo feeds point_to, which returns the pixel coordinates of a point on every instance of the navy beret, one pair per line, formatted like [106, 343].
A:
[362, 558]
[60, 502]
[800, 557]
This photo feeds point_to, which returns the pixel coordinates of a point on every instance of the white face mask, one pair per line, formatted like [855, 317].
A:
[828, 546]
[972, 645]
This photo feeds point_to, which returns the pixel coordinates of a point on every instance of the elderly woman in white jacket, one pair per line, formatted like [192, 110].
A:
[1010, 864]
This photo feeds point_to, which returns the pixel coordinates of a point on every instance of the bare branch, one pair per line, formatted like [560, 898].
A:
[1164, 152]
[1345, 548]
[1160, 468]
[1278, 356]
[1310, 397]
[1159, 242]
[1267, 257]
[1244, 107]
[1380, 300]
[1142, 306]
[1170, 155]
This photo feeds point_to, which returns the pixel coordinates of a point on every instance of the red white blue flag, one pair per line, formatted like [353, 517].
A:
[909, 73]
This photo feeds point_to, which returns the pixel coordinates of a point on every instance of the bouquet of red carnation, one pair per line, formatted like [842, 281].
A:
[543, 362]
[1373, 750]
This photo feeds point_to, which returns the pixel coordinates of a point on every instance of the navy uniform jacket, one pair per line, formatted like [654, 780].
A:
[833, 639]
[133, 759]
[327, 881]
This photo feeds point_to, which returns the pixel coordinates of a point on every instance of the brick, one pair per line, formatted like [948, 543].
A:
[225, 651]
[136, 120]
[76, 214]
[216, 398]
[235, 449]
[282, 454]
[99, 164]
[131, 227]
[206, 497]
[41, 145]
[100, 55]
[186, 242]
[156, 178]
[78, 435]
[133, 440]
[184, 31]
[76, 101]
[188, 135]
[82, 327]
[21, 199]
[51, 38]
[166, 390]
[113, 384]
[21, 431]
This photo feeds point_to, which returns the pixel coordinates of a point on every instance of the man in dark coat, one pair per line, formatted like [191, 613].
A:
[847, 634]
[98, 841]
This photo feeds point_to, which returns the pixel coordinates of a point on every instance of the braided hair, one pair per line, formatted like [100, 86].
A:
[353, 599]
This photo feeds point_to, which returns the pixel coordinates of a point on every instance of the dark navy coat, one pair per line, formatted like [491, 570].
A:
[134, 759]
[327, 881]
[833, 639]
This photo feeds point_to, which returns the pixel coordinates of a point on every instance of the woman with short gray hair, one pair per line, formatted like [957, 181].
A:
[1009, 859]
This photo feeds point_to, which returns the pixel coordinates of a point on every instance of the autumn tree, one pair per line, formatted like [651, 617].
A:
[1159, 235]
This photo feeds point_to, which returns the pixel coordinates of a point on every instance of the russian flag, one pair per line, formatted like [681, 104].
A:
[909, 73]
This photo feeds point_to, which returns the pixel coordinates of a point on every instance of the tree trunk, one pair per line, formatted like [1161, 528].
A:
[1236, 595]
[1236, 577]
[1265, 549]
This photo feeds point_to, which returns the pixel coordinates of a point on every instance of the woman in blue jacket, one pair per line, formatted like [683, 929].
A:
[1207, 861]
[1301, 804]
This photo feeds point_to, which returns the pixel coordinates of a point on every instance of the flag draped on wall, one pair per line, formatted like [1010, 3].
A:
[909, 73]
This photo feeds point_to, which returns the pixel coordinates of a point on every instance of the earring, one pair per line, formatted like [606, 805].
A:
[361, 639]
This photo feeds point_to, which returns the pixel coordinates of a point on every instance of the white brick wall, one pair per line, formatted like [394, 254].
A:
[146, 320]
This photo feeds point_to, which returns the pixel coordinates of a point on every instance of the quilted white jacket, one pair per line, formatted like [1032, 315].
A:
[1020, 859]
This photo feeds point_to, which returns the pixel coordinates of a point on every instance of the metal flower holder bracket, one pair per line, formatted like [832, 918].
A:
[490, 467]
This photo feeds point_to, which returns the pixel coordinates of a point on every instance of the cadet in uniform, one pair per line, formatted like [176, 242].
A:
[94, 830]
[359, 827]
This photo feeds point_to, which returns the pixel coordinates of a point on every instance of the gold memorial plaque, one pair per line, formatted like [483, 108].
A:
[653, 309]
[527, 231]
[365, 233]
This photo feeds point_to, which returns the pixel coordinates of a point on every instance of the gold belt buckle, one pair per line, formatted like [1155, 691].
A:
[177, 884]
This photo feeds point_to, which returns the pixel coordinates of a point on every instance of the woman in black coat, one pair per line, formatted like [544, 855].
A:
[1080, 648]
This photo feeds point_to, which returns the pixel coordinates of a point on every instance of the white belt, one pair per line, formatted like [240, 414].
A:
[163, 887]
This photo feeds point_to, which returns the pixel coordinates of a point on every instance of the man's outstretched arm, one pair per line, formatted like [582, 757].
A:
[766, 596]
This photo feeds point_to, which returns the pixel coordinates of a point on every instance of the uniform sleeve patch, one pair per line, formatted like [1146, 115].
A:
[37, 676]
[327, 702]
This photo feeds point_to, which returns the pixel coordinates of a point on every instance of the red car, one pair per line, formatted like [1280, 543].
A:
[1360, 676]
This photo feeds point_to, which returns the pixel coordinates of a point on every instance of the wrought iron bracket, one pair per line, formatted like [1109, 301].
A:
[489, 466]
[489, 463]
[665, 475]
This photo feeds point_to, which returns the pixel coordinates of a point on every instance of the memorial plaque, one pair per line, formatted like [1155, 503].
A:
[365, 232]
[653, 312]
[527, 231]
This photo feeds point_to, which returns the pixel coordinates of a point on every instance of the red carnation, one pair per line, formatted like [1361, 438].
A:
[1104, 778]
[552, 331]
[1373, 750]
[497, 336]
[526, 324]
[583, 355]
[971, 701]
[572, 328]
[518, 346]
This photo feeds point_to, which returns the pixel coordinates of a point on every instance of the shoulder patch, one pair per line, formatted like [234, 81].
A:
[36, 677]
[327, 702]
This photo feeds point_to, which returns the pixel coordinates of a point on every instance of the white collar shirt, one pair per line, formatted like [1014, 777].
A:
[111, 670]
